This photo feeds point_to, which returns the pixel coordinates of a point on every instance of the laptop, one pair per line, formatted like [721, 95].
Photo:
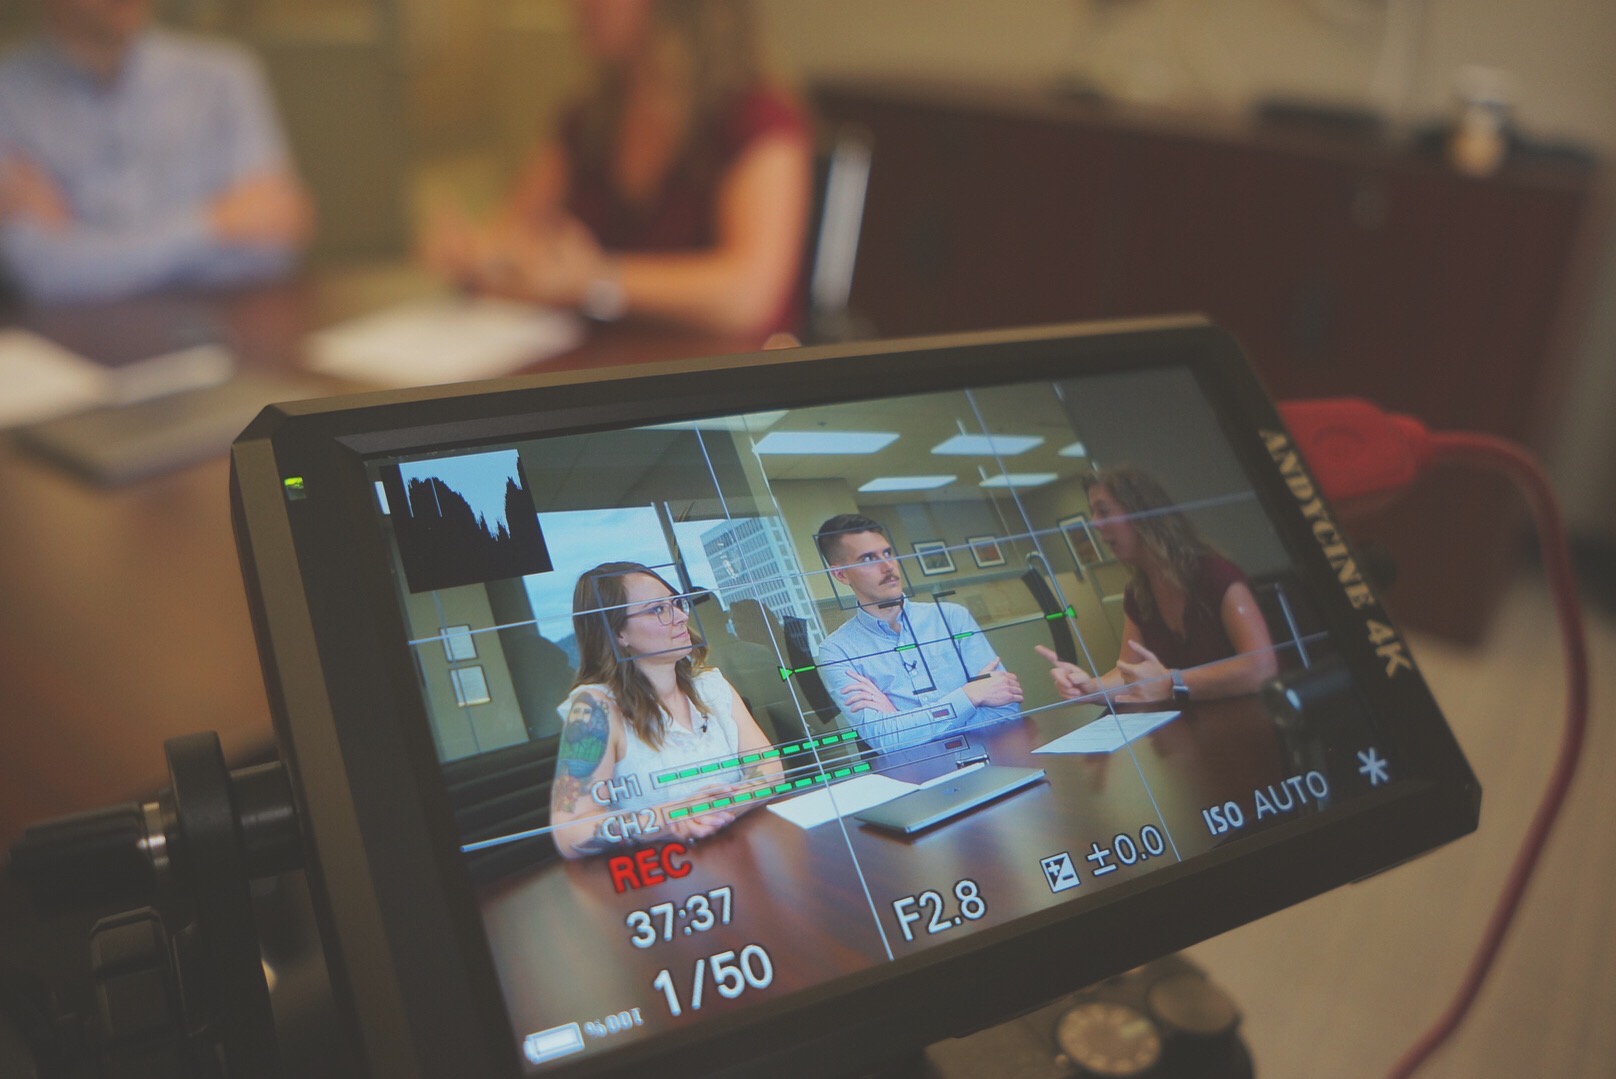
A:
[929, 806]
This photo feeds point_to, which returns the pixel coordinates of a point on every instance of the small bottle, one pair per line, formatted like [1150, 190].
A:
[1480, 138]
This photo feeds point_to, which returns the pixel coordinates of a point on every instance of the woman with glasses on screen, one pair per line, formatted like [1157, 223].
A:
[1191, 628]
[644, 702]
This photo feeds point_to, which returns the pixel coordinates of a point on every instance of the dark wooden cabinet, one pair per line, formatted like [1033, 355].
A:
[1345, 266]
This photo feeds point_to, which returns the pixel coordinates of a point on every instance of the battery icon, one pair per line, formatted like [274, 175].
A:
[553, 1043]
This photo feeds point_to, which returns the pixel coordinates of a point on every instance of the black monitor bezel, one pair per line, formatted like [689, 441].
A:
[402, 934]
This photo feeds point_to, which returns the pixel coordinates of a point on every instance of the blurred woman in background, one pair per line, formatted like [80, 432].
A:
[678, 189]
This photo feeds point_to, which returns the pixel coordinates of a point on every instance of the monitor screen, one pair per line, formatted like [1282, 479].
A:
[780, 711]
[739, 636]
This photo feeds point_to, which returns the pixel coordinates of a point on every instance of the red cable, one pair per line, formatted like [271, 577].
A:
[1520, 466]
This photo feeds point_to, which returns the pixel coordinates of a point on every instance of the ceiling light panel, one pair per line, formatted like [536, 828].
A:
[987, 445]
[824, 443]
[1020, 479]
[906, 483]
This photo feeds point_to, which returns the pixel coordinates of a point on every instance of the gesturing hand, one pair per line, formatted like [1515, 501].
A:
[551, 265]
[994, 686]
[450, 243]
[1070, 679]
[1146, 679]
[861, 693]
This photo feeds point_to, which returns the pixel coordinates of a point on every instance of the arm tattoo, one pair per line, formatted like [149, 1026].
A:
[579, 753]
[594, 845]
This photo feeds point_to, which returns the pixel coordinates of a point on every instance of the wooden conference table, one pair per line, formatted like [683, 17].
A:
[820, 901]
[122, 616]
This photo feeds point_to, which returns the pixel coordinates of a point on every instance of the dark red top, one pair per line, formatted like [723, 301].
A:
[1204, 640]
[682, 214]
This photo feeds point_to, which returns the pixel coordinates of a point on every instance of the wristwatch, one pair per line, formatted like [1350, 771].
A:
[604, 299]
[1181, 692]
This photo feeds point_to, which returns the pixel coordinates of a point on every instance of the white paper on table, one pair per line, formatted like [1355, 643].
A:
[814, 808]
[445, 339]
[1109, 733]
[42, 380]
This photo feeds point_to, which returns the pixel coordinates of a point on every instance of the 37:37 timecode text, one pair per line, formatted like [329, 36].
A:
[695, 914]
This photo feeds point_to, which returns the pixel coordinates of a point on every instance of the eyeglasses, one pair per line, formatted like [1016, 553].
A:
[664, 610]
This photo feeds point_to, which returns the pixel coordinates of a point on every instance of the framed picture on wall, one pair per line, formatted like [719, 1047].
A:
[934, 557]
[1080, 540]
[458, 644]
[986, 551]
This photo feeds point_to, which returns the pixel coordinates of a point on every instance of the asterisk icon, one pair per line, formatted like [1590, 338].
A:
[1373, 765]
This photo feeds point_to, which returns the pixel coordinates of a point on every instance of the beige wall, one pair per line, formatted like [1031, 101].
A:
[488, 73]
[1231, 52]
[805, 505]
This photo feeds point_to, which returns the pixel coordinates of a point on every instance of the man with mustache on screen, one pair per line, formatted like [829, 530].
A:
[904, 671]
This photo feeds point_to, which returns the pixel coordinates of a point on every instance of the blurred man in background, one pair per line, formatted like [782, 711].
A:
[133, 159]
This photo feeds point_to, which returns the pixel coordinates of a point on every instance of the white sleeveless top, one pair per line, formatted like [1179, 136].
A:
[681, 749]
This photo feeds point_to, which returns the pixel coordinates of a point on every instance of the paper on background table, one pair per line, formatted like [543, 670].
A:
[127, 443]
[43, 380]
[852, 795]
[1108, 733]
[444, 339]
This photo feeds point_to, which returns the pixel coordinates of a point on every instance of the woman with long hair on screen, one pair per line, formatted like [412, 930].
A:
[1191, 628]
[644, 701]
[679, 188]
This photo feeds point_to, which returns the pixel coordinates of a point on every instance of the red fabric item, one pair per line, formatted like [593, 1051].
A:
[1354, 449]
[682, 214]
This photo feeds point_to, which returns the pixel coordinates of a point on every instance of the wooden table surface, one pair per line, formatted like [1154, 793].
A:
[123, 621]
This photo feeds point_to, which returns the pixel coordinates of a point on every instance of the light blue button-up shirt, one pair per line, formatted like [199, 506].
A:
[138, 160]
[922, 666]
